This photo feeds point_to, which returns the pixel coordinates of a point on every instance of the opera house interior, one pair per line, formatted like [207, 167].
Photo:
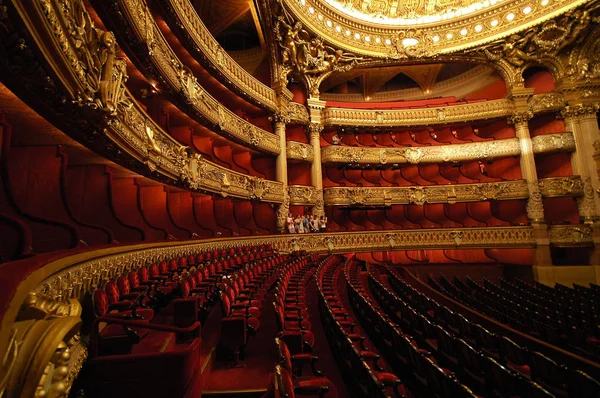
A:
[300, 198]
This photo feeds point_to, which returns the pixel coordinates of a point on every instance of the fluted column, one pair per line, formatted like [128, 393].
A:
[316, 173]
[281, 173]
[581, 121]
[535, 206]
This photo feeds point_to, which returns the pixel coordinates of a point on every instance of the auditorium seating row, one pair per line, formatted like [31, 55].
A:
[408, 356]
[362, 368]
[490, 362]
[295, 340]
[569, 319]
[429, 215]
[148, 319]
[465, 172]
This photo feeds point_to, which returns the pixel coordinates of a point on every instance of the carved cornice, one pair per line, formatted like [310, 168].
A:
[570, 235]
[418, 117]
[419, 195]
[426, 154]
[579, 111]
[547, 102]
[562, 142]
[561, 186]
[159, 59]
[184, 20]
[97, 88]
[300, 151]
[302, 195]
[297, 113]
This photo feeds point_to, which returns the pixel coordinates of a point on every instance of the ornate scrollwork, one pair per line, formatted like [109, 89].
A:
[297, 113]
[428, 154]
[282, 211]
[306, 56]
[386, 196]
[548, 143]
[579, 111]
[546, 102]
[535, 206]
[570, 235]
[300, 151]
[520, 118]
[561, 186]
[301, 195]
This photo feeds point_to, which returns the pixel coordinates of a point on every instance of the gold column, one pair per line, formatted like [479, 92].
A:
[535, 206]
[281, 172]
[581, 121]
[315, 107]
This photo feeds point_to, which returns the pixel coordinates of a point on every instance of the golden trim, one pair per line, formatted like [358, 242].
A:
[300, 151]
[184, 85]
[570, 235]
[549, 143]
[190, 28]
[302, 195]
[387, 196]
[561, 186]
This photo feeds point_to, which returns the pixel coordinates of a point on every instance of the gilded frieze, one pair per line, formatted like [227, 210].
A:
[300, 151]
[199, 40]
[561, 186]
[419, 195]
[418, 117]
[570, 235]
[547, 102]
[302, 195]
[415, 155]
[183, 85]
[562, 142]
[297, 113]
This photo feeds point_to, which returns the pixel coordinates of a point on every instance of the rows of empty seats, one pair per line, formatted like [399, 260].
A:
[406, 352]
[566, 317]
[360, 366]
[148, 319]
[488, 363]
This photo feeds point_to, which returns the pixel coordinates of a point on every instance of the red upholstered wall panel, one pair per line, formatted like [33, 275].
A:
[495, 90]
[299, 174]
[264, 166]
[296, 133]
[561, 211]
[512, 211]
[546, 123]
[540, 80]
[553, 165]
[153, 203]
[204, 214]
[265, 216]
[89, 199]
[244, 218]
[223, 209]
[180, 207]
[511, 256]
[124, 192]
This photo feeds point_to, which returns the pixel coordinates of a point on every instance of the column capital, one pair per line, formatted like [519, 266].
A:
[579, 111]
[520, 117]
[276, 118]
[315, 130]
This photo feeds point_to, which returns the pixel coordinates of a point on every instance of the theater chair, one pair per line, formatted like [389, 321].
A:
[304, 385]
[236, 325]
[164, 362]
[294, 331]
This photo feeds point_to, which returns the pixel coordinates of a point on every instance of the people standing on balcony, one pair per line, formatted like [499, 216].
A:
[290, 224]
[306, 224]
[323, 223]
[314, 222]
[299, 225]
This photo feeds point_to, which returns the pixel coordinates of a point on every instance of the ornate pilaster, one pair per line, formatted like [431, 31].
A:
[581, 121]
[281, 173]
[315, 127]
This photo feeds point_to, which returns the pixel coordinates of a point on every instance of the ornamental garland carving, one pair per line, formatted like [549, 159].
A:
[579, 111]
[297, 113]
[535, 206]
[129, 127]
[181, 83]
[561, 186]
[418, 117]
[546, 102]
[415, 155]
[570, 235]
[300, 151]
[190, 29]
[419, 195]
[562, 142]
[301, 195]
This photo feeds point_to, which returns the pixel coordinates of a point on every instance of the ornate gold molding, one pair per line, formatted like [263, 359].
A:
[97, 86]
[579, 111]
[419, 195]
[180, 81]
[300, 151]
[184, 20]
[302, 195]
[427, 154]
[418, 117]
[562, 142]
[379, 39]
[561, 186]
[297, 113]
[570, 235]
[547, 102]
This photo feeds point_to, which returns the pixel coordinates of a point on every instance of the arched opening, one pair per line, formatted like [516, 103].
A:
[538, 78]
